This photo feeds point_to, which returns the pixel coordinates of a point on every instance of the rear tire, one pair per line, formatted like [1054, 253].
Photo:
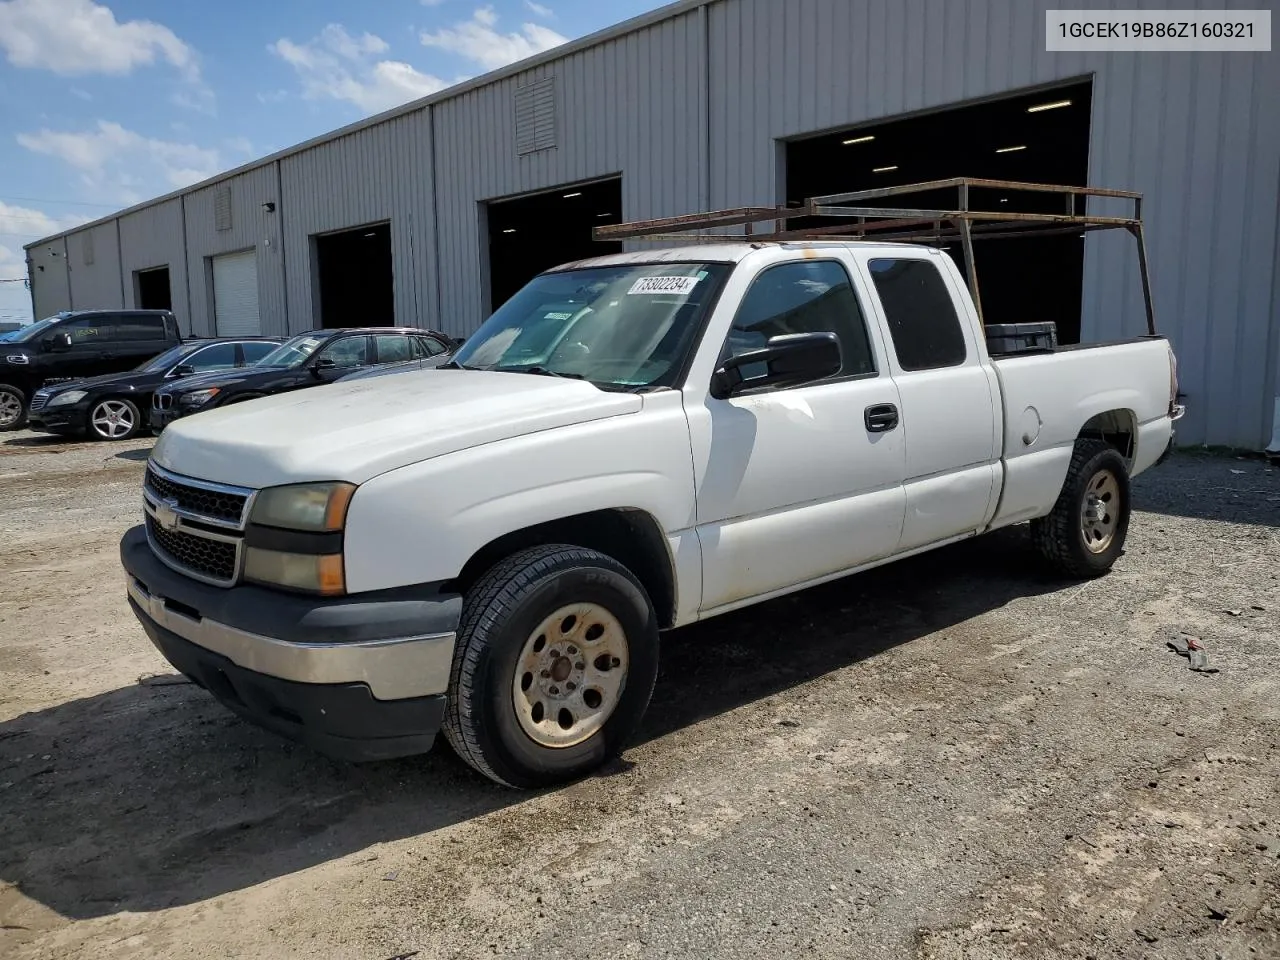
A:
[13, 408]
[1084, 534]
[555, 661]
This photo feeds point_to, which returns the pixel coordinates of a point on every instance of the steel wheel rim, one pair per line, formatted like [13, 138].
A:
[570, 675]
[1100, 511]
[112, 419]
[10, 408]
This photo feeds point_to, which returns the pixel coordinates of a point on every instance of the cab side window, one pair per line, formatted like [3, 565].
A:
[89, 330]
[133, 326]
[811, 296]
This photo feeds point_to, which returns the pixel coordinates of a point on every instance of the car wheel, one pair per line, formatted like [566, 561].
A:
[1084, 534]
[13, 408]
[554, 664]
[114, 419]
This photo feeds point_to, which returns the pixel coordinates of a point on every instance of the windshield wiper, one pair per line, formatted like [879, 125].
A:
[542, 372]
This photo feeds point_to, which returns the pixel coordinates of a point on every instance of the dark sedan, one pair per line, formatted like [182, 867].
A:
[115, 406]
[307, 360]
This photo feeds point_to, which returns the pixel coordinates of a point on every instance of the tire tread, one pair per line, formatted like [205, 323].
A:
[1052, 534]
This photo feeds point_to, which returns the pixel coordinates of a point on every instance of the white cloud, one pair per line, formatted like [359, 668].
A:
[339, 66]
[539, 9]
[77, 37]
[125, 164]
[477, 40]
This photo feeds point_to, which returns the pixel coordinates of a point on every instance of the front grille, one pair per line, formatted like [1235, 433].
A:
[214, 504]
[161, 401]
[39, 399]
[212, 559]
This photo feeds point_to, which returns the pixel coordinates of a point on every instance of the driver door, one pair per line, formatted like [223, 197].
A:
[795, 484]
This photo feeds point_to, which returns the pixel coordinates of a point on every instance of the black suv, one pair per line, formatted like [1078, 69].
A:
[307, 360]
[115, 406]
[70, 346]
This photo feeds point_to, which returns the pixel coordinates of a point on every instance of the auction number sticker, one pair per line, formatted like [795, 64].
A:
[1148, 30]
[680, 286]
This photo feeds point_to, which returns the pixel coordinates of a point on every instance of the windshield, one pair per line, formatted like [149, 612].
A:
[293, 351]
[166, 359]
[27, 334]
[629, 325]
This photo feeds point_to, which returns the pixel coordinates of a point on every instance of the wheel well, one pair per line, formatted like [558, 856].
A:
[632, 537]
[1116, 428]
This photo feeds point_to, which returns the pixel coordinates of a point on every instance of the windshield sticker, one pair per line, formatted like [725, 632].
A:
[681, 286]
[558, 315]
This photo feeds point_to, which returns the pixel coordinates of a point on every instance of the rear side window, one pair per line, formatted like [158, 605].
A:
[133, 326]
[922, 319]
[812, 296]
[392, 348]
[427, 347]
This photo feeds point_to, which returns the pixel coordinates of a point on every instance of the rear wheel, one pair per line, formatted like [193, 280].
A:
[114, 419]
[13, 407]
[555, 662]
[1084, 534]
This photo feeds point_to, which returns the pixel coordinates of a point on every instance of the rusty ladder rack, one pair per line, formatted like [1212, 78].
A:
[896, 224]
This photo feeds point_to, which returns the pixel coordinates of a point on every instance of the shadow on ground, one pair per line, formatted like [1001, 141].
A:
[1210, 486]
[153, 795]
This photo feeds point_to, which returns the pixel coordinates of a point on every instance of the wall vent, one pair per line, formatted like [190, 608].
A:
[536, 116]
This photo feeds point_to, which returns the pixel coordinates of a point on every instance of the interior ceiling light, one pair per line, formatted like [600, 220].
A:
[1021, 146]
[884, 169]
[867, 139]
[576, 193]
[1054, 105]
[1004, 199]
[509, 230]
[604, 214]
[371, 234]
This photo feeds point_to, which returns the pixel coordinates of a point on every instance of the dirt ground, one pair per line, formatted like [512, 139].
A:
[951, 757]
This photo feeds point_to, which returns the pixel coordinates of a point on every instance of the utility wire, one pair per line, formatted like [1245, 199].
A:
[77, 203]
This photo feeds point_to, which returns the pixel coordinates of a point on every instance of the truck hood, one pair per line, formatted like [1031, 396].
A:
[356, 430]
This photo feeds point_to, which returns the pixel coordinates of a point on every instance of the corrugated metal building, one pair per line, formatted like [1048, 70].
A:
[698, 105]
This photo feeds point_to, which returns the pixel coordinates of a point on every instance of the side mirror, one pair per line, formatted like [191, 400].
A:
[58, 342]
[785, 361]
[183, 370]
[321, 364]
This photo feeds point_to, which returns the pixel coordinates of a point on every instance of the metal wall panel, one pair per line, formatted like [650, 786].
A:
[50, 282]
[635, 104]
[95, 285]
[252, 227]
[381, 173]
[1196, 133]
[153, 238]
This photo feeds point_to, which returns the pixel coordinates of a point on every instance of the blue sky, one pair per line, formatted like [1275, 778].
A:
[104, 104]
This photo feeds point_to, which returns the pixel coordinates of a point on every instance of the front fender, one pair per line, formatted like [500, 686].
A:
[421, 523]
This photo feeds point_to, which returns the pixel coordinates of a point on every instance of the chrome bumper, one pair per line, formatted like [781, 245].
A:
[393, 669]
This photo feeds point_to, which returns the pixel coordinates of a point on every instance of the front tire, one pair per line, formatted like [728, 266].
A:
[1084, 534]
[13, 408]
[556, 658]
[114, 419]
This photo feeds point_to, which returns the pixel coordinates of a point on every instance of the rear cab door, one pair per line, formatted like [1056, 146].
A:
[950, 400]
[794, 484]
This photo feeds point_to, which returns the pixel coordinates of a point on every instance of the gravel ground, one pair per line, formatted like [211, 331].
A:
[950, 757]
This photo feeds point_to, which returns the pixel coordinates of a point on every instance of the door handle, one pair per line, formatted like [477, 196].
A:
[880, 418]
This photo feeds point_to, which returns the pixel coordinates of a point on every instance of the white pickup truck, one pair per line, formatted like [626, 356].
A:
[630, 444]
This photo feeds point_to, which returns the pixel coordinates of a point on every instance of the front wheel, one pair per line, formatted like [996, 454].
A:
[13, 408]
[115, 419]
[1084, 534]
[554, 665]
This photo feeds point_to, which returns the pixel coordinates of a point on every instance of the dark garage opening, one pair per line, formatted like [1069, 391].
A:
[1041, 137]
[354, 279]
[530, 234]
[153, 289]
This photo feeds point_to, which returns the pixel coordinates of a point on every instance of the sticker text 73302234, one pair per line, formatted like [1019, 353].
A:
[681, 286]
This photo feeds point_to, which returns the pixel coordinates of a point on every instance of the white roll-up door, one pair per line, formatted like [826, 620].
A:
[235, 295]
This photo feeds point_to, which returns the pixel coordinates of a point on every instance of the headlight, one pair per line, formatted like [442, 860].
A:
[313, 507]
[69, 396]
[197, 398]
[314, 573]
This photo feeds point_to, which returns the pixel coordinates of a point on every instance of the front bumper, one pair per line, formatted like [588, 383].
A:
[357, 678]
[71, 418]
[160, 419]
